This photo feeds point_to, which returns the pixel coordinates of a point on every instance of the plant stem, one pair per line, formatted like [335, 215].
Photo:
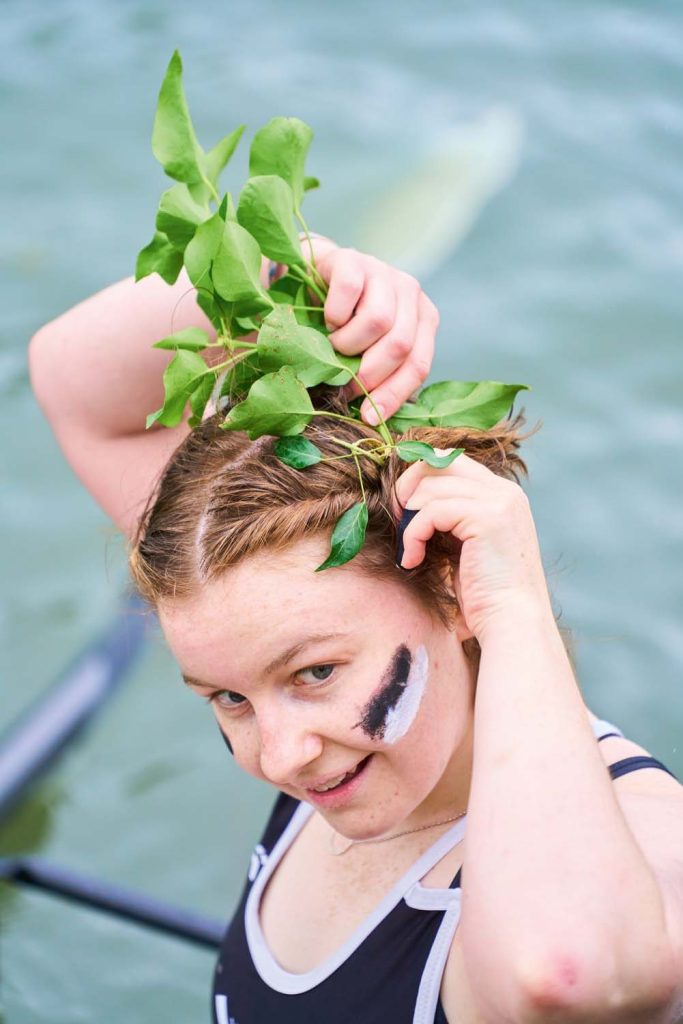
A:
[354, 448]
[360, 478]
[212, 190]
[382, 428]
[303, 276]
[311, 262]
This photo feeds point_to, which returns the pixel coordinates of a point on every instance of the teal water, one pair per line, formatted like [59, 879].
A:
[569, 280]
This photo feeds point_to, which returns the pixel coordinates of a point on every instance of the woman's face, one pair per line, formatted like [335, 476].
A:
[312, 675]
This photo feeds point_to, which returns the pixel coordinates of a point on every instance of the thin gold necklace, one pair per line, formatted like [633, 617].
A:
[385, 839]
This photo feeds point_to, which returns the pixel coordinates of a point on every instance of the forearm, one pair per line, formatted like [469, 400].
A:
[95, 363]
[553, 872]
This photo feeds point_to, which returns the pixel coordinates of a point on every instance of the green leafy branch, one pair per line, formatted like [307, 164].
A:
[265, 383]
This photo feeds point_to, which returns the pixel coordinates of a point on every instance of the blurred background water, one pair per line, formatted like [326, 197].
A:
[570, 280]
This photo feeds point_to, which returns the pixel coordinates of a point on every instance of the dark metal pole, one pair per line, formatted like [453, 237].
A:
[32, 743]
[114, 899]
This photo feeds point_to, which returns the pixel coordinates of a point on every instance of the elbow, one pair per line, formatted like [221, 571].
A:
[39, 366]
[570, 988]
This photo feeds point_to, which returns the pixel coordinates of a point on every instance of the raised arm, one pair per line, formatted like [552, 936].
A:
[96, 375]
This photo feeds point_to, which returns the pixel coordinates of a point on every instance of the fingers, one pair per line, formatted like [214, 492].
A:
[346, 283]
[447, 515]
[394, 368]
[375, 314]
[463, 467]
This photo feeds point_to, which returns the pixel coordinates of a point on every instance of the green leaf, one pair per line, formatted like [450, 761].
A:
[414, 451]
[237, 267]
[411, 414]
[190, 339]
[347, 536]
[182, 375]
[445, 390]
[287, 286]
[277, 403]
[351, 365]
[280, 148]
[266, 210]
[174, 142]
[207, 303]
[199, 398]
[284, 342]
[201, 250]
[218, 157]
[160, 257]
[179, 214]
[241, 376]
[485, 406]
[311, 183]
[297, 452]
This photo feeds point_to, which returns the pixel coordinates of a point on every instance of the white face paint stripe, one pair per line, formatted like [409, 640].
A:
[222, 1009]
[400, 718]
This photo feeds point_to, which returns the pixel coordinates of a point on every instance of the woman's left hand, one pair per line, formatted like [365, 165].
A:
[383, 313]
[500, 570]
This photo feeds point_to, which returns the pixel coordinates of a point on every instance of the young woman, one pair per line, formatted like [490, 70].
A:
[448, 843]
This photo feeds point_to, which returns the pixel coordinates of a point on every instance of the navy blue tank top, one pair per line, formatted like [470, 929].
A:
[390, 969]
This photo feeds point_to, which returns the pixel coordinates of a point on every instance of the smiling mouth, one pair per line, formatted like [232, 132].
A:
[341, 780]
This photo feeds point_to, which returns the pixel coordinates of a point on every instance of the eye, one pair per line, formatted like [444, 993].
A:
[319, 673]
[226, 698]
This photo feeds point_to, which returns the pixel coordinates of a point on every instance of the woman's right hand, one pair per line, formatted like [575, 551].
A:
[382, 313]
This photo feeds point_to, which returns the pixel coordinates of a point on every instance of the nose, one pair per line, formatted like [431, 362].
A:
[288, 744]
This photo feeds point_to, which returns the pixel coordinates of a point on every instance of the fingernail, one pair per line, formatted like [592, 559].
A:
[407, 517]
[372, 416]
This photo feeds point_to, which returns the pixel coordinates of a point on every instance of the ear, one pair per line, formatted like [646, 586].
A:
[462, 630]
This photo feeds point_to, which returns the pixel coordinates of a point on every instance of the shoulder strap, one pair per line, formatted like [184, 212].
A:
[633, 764]
[602, 729]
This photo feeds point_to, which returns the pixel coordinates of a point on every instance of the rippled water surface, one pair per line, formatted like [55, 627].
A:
[570, 280]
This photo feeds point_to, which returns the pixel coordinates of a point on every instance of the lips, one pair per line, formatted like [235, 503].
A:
[334, 782]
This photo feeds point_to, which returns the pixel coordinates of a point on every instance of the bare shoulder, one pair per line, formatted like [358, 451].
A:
[652, 804]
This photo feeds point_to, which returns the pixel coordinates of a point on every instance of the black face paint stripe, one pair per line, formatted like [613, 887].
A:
[227, 741]
[374, 719]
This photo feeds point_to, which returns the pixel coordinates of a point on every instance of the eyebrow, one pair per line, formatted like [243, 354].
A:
[276, 663]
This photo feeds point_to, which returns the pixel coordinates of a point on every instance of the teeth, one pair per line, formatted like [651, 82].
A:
[335, 782]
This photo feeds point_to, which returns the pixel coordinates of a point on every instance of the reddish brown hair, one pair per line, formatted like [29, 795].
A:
[223, 497]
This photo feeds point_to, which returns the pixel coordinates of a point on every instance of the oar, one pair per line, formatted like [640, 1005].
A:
[113, 899]
[32, 743]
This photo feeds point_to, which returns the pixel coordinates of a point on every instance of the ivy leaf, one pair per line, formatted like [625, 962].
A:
[241, 376]
[179, 214]
[160, 257]
[237, 267]
[207, 303]
[217, 158]
[182, 375]
[347, 536]
[414, 451]
[266, 210]
[201, 250]
[284, 342]
[174, 142]
[485, 405]
[199, 398]
[277, 403]
[190, 339]
[286, 288]
[445, 390]
[411, 414]
[351, 365]
[297, 452]
[280, 148]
